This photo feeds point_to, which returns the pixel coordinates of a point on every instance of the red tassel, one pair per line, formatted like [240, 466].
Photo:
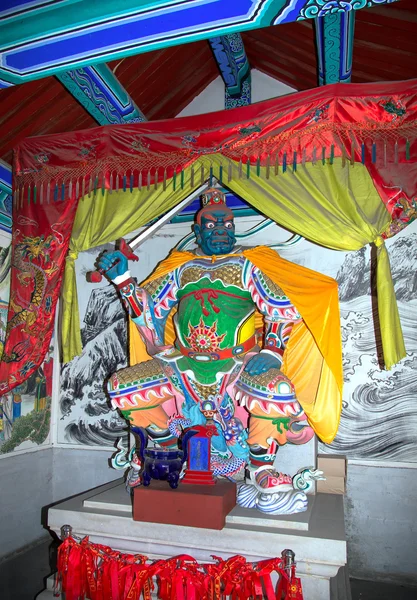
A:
[295, 590]
[99, 580]
[74, 589]
[128, 580]
[132, 594]
[114, 580]
[90, 570]
[106, 580]
[99, 573]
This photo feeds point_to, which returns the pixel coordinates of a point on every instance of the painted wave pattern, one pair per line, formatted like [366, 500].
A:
[105, 432]
[86, 414]
[379, 417]
[286, 503]
[247, 496]
[280, 503]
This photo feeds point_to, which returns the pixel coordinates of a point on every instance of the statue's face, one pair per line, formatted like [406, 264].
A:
[216, 234]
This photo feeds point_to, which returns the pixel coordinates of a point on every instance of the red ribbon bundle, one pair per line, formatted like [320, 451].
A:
[96, 572]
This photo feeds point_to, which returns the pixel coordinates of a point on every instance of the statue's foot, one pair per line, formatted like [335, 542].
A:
[269, 481]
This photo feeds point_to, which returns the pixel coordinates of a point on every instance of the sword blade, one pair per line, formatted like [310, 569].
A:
[149, 231]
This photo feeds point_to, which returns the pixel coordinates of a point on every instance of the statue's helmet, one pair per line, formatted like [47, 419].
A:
[211, 198]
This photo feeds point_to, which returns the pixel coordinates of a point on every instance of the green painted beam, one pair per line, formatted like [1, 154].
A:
[334, 43]
[102, 95]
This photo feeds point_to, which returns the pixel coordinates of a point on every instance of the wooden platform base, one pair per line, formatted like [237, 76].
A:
[189, 505]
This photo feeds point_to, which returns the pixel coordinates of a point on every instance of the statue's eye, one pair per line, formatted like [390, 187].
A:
[210, 225]
[228, 225]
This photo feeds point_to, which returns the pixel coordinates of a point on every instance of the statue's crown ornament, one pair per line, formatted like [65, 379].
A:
[210, 199]
[212, 196]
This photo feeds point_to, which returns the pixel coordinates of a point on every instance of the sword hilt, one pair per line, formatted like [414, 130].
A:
[124, 248]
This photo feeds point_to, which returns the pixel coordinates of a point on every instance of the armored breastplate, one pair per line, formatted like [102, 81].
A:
[215, 312]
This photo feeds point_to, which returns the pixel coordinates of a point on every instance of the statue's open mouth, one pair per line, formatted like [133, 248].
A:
[220, 241]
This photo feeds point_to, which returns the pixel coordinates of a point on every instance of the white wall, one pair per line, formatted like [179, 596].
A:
[212, 98]
[381, 527]
[76, 470]
[25, 488]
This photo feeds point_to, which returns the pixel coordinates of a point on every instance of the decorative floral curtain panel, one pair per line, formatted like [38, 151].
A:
[337, 164]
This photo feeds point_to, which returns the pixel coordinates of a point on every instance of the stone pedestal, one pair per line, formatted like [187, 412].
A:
[317, 537]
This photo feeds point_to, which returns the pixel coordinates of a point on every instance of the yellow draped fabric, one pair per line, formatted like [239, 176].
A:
[313, 359]
[335, 206]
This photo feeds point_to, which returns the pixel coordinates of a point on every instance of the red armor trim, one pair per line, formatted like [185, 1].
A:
[223, 354]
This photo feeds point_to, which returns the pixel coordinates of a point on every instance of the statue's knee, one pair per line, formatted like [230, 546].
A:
[270, 387]
[136, 375]
[130, 387]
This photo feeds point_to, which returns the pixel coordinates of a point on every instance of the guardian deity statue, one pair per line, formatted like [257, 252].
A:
[214, 328]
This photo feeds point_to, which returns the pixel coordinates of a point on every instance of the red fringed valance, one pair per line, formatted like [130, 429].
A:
[87, 570]
[368, 123]
[371, 124]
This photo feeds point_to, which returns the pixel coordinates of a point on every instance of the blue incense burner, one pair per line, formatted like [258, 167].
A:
[160, 463]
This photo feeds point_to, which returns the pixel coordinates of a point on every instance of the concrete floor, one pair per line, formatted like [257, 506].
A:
[23, 576]
[370, 590]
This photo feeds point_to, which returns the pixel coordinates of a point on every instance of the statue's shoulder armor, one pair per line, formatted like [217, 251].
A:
[271, 287]
[268, 294]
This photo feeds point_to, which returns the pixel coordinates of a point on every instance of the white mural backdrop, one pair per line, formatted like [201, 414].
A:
[379, 418]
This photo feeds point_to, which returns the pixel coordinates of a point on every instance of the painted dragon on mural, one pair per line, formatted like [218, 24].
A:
[34, 265]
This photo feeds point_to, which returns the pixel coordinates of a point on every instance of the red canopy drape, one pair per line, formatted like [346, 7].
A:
[375, 124]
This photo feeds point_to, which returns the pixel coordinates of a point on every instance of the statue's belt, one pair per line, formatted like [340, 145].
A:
[221, 354]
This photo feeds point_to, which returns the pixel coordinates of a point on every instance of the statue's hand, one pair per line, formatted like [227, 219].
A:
[261, 363]
[112, 264]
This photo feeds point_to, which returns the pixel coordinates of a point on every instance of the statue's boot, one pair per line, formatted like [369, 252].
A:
[269, 481]
[262, 473]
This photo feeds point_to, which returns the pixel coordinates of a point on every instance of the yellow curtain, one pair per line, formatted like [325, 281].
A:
[334, 206]
[337, 207]
[102, 219]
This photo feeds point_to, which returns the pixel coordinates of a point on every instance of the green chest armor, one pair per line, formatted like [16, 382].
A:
[215, 322]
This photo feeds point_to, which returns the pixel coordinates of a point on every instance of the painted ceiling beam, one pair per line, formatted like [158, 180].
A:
[334, 42]
[5, 84]
[5, 197]
[101, 94]
[45, 37]
[234, 67]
